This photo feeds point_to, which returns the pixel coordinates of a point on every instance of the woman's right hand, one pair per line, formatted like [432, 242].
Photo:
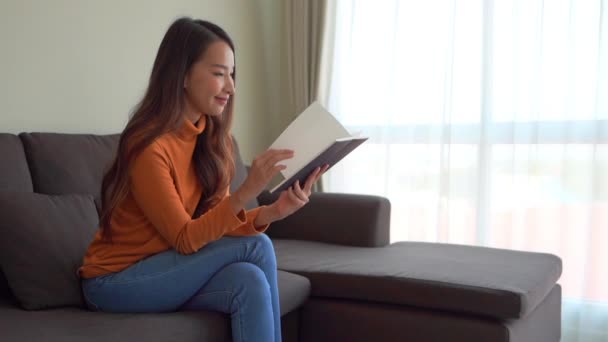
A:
[263, 168]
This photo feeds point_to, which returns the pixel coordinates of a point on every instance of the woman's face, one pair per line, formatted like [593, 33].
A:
[209, 84]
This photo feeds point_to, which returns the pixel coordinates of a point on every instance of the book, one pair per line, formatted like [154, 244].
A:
[317, 138]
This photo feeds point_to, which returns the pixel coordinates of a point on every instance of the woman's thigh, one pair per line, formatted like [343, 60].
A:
[231, 287]
[163, 282]
[242, 291]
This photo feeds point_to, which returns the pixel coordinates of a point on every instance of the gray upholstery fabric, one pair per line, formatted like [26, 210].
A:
[543, 324]
[343, 219]
[14, 176]
[75, 163]
[329, 320]
[294, 290]
[290, 326]
[240, 175]
[44, 239]
[76, 325]
[68, 163]
[14, 172]
[485, 281]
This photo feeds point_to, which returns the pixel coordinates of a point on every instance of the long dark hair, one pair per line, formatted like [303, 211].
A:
[162, 110]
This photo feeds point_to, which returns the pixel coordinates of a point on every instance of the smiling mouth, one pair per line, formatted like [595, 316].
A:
[222, 100]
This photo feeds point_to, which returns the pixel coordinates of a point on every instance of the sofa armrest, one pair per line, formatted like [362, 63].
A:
[343, 219]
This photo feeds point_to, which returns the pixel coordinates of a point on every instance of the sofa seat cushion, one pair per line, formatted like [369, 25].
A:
[294, 290]
[476, 280]
[43, 241]
[72, 324]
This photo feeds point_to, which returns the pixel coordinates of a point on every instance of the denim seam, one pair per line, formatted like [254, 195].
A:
[177, 268]
[84, 293]
[240, 319]
[238, 303]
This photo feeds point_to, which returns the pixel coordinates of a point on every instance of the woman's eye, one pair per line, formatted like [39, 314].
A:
[218, 74]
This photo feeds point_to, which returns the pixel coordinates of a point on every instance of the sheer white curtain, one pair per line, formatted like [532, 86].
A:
[488, 122]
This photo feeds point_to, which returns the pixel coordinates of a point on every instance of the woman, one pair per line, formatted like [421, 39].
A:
[171, 235]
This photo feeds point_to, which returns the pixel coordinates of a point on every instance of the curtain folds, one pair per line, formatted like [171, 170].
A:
[309, 31]
[488, 125]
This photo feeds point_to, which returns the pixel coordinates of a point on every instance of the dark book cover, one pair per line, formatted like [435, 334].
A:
[330, 156]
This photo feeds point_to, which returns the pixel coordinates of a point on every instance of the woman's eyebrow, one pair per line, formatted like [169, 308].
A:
[220, 66]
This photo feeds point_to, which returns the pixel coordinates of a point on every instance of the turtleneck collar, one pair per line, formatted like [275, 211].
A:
[188, 131]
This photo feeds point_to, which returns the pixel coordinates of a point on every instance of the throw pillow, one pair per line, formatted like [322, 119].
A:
[43, 239]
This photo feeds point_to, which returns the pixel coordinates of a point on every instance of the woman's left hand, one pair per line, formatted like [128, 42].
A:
[294, 198]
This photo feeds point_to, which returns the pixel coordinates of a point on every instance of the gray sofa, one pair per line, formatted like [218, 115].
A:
[339, 279]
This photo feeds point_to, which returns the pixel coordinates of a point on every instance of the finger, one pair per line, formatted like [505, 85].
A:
[269, 171]
[272, 152]
[277, 157]
[323, 170]
[298, 191]
[269, 174]
[271, 159]
[276, 169]
[311, 180]
[262, 159]
[294, 198]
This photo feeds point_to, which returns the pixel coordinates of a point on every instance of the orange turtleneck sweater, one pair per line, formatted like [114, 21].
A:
[157, 213]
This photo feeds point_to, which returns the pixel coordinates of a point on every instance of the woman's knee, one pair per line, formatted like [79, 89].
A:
[237, 285]
[250, 278]
[264, 243]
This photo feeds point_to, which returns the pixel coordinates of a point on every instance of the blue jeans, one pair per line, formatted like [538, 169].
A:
[233, 275]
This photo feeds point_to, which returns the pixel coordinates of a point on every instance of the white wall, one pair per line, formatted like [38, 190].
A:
[79, 66]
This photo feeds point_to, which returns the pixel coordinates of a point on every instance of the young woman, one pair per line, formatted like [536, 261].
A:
[171, 235]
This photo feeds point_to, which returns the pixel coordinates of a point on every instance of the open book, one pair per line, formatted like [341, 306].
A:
[317, 138]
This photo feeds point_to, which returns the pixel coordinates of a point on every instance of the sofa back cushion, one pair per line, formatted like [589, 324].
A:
[14, 176]
[75, 163]
[57, 163]
[68, 163]
[14, 172]
[44, 239]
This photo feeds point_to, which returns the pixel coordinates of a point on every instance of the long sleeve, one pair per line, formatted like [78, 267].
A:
[248, 228]
[154, 191]
[156, 214]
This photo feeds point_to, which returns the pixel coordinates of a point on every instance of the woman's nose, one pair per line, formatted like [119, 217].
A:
[229, 88]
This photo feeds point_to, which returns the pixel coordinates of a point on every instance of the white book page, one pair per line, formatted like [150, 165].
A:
[308, 135]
